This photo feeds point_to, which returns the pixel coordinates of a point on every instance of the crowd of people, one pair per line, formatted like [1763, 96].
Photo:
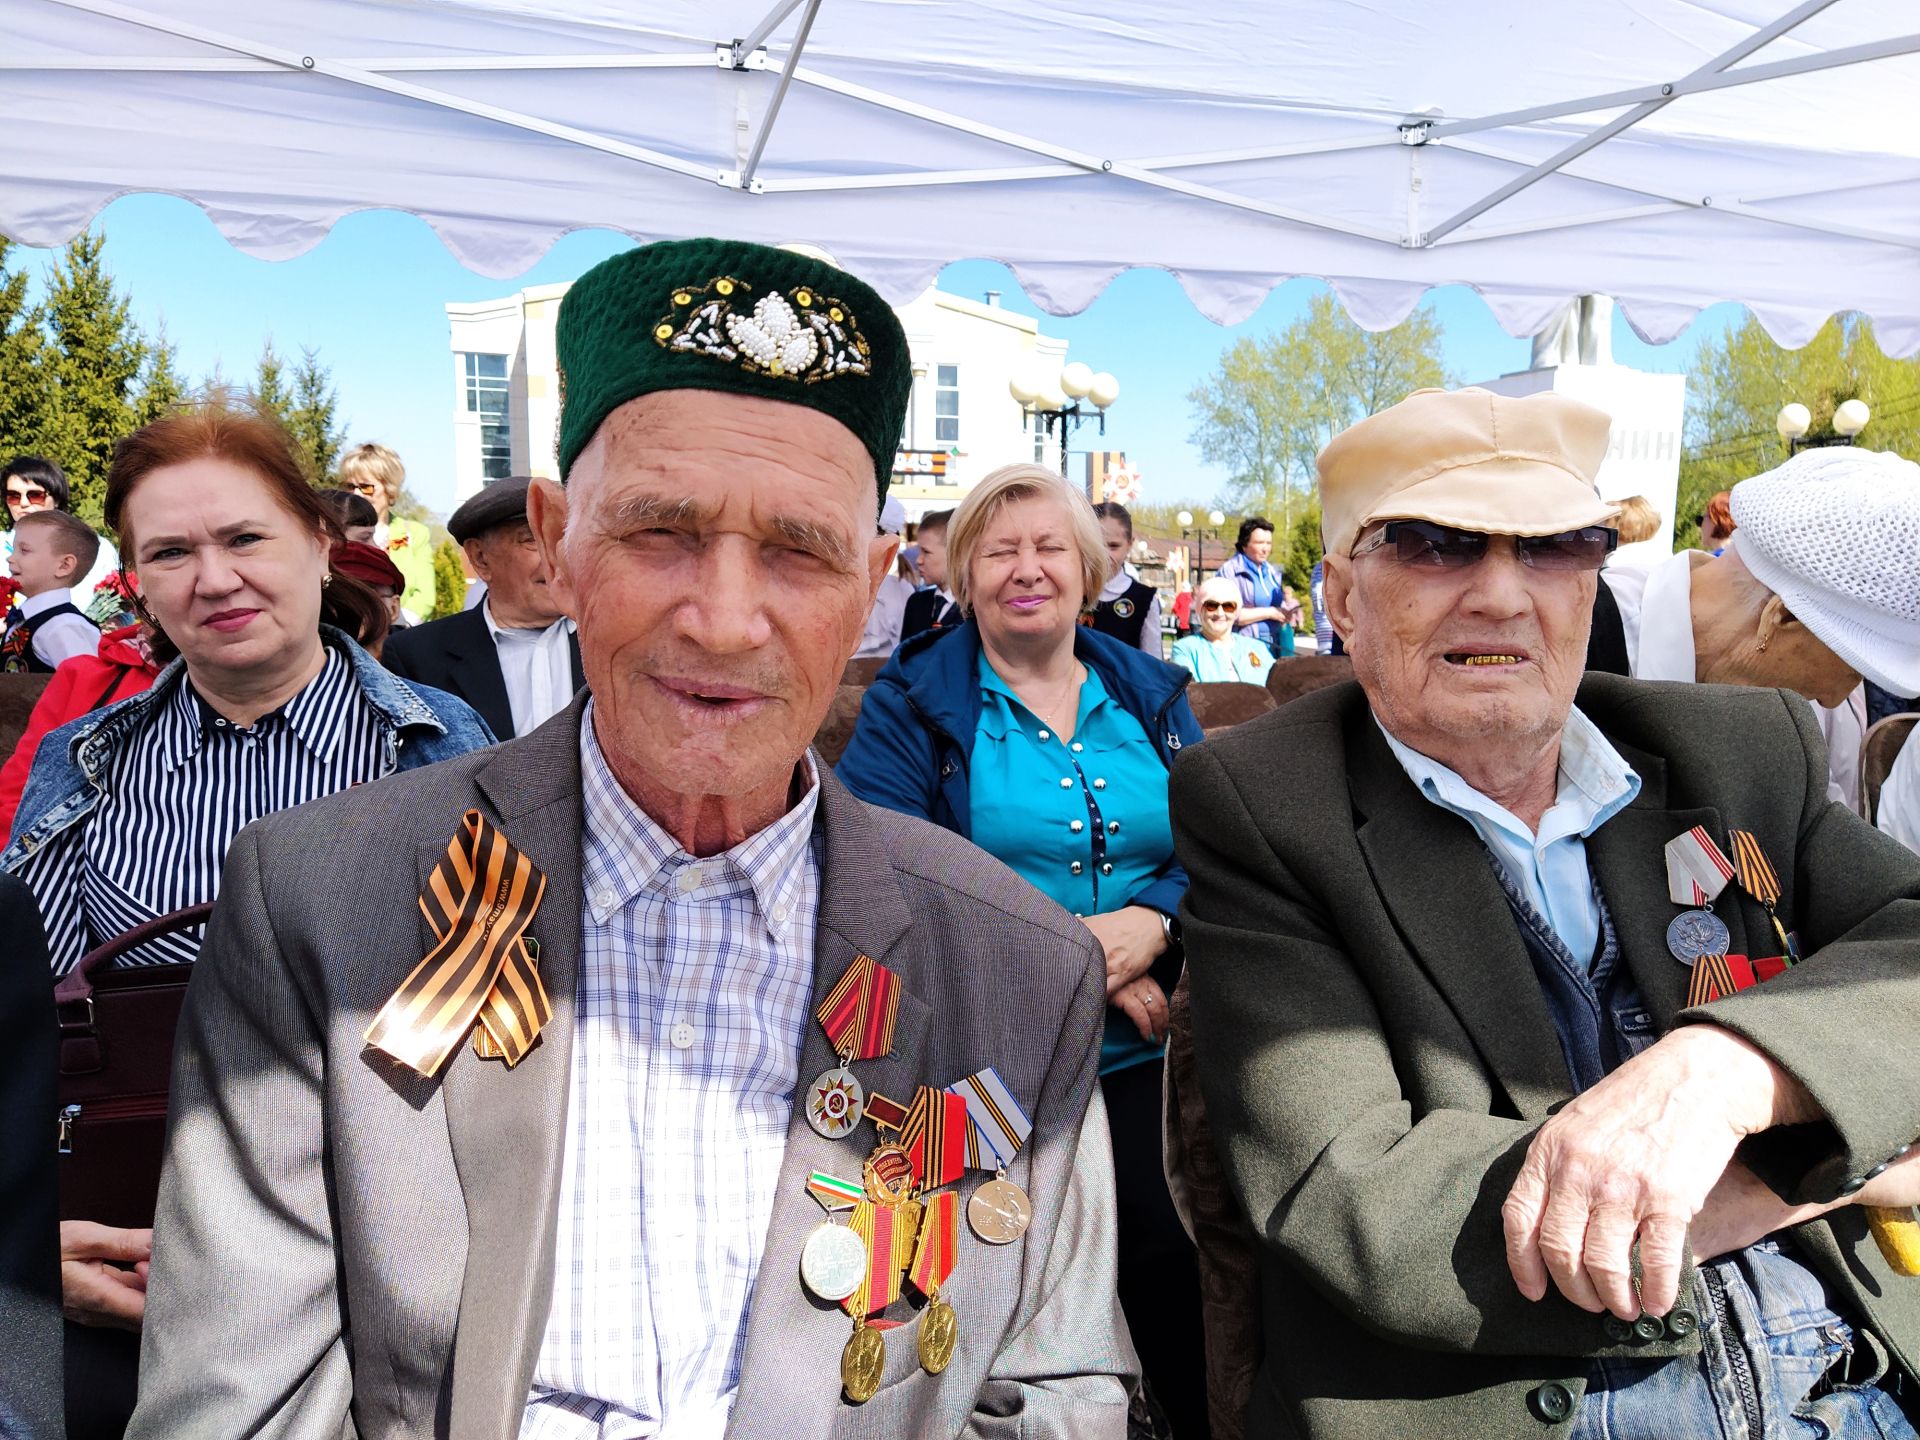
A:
[572, 1052]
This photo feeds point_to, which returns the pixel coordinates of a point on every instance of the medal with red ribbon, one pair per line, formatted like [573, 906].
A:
[934, 1257]
[935, 1135]
[858, 1016]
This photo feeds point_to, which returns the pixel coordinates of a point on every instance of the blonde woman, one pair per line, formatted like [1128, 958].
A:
[375, 473]
[1047, 743]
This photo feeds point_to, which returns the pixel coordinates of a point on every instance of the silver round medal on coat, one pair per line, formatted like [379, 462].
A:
[999, 1212]
[1694, 933]
[834, 1262]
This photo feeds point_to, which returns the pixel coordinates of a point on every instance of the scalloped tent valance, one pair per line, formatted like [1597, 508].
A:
[1670, 153]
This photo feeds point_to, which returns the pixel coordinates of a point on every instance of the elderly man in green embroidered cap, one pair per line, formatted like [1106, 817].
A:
[673, 1129]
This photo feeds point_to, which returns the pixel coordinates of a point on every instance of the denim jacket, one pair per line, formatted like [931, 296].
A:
[421, 726]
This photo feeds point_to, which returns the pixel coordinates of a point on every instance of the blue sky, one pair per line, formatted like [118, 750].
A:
[371, 297]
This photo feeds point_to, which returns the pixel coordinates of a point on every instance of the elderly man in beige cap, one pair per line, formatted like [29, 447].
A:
[1535, 1013]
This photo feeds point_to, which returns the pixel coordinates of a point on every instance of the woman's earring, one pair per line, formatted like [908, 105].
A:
[326, 580]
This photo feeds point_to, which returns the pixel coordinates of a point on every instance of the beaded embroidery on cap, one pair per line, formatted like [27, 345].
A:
[799, 336]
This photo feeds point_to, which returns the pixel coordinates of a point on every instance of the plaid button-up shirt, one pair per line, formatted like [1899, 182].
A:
[692, 1004]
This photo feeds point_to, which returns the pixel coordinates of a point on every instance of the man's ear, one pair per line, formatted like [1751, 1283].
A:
[547, 518]
[881, 551]
[476, 552]
[1336, 590]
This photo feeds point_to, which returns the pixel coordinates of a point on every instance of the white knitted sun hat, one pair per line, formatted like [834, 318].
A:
[1835, 533]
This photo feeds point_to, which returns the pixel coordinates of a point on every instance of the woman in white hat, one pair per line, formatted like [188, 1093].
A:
[1817, 588]
[1218, 651]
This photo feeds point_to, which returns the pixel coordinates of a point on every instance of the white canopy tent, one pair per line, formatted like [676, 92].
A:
[1670, 153]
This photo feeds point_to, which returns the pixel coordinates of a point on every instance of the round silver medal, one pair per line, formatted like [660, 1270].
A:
[1694, 933]
[834, 1262]
[835, 1102]
[999, 1212]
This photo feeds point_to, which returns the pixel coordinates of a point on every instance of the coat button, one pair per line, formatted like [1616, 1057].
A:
[1551, 1402]
[1855, 1184]
[1877, 1171]
[1682, 1323]
[1647, 1329]
[1616, 1329]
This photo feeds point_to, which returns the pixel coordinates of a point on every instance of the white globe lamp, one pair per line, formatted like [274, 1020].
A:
[1215, 517]
[1103, 390]
[1076, 380]
[1021, 388]
[1850, 418]
[1185, 517]
[1793, 421]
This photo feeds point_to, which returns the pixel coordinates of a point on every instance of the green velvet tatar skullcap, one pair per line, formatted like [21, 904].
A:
[744, 319]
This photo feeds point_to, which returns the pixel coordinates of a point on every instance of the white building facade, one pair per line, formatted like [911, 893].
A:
[961, 421]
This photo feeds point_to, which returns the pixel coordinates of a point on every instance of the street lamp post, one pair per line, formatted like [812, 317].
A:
[1190, 529]
[1066, 400]
[1795, 420]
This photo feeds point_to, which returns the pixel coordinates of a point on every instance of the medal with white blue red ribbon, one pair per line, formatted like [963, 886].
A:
[858, 1016]
[1697, 871]
[998, 1211]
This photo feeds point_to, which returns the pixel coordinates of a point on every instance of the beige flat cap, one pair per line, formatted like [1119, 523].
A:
[1467, 458]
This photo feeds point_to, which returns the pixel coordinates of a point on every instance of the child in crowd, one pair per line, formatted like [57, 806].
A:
[52, 550]
[355, 512]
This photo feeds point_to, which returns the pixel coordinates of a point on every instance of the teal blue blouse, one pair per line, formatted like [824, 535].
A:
[1084, 823]
[1245, 659]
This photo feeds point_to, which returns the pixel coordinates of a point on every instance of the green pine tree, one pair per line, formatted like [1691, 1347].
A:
[312, 418]
[270, 395]
[449, 580]
[26, 376]
[162, 386]
[96, 354]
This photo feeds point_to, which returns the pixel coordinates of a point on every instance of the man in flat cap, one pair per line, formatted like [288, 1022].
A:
[666, 1090]
[1555, 1033]
[514, 657]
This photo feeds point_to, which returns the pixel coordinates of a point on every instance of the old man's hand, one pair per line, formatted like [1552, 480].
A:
[1634, 1159]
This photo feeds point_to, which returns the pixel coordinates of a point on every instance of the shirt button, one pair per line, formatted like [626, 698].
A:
[1107, 869]
[1099, 784]
[1076, 826]
[1045, 735]
[603, 899]
[689, 878]
[682, 1036]
[1077, 747]
[1113, 827]
[1066, 782]
[780, 912]
[1075, 868]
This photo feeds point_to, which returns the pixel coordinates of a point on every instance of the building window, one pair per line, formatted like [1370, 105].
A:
[487, 397]
[946, 405]
[1039, 423]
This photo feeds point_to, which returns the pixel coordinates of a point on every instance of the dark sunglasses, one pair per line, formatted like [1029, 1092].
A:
[1228, 605]
[1441, 547]
[32, 495]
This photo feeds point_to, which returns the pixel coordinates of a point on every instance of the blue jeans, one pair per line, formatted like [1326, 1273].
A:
[1775, 1363]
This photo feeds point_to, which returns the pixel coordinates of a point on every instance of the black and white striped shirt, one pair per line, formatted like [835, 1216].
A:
[181, 789]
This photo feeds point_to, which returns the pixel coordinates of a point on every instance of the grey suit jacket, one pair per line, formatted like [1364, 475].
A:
[346, 1249]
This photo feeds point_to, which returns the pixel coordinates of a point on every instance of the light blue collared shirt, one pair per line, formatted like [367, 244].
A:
[1550, 867]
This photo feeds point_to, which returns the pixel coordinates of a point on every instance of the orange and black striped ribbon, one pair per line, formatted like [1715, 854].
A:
[1712, 978]
[935, 1134]
[939, 1245]
[859, 1012]
[1758, 879]
[479, 901]
[888, 1232]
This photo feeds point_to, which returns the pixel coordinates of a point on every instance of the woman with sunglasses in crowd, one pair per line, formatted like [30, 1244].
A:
[268, 699]
[36, 483]
[1218, 651]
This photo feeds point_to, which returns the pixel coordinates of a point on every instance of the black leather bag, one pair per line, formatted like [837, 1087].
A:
[116, 1063]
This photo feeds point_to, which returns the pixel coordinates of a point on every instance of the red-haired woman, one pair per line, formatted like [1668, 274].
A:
[267, 699]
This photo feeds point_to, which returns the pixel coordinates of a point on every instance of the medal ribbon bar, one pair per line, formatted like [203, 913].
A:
[479, 901]
[859, 1012]
[935, 1134]
[1697, 868]
[998, 1126]
[1758, 879]
[889, 1243]
[833, 1193]
[939, 1246]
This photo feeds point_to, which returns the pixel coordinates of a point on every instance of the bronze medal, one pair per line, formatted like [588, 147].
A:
[861, 1364]
[939, 1329]
[999, 1212]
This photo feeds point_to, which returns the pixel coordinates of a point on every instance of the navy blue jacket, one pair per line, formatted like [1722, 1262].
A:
[914, 737]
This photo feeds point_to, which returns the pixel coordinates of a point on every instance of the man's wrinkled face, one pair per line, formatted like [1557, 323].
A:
[1451, 659]
[719, 555]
